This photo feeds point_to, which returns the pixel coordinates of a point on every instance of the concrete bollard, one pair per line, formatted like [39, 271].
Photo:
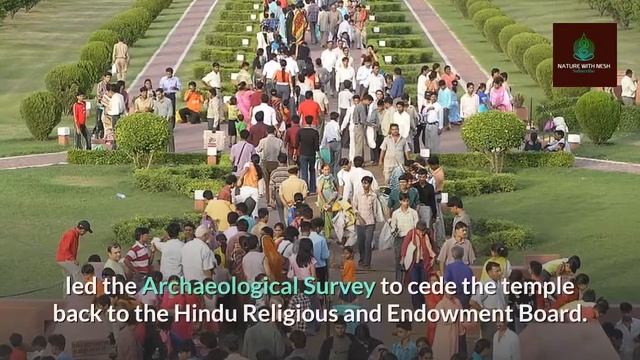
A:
[63, 135]
[198, 200]
[212, 155]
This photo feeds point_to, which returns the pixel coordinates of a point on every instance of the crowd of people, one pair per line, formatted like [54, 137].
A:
[295, 152]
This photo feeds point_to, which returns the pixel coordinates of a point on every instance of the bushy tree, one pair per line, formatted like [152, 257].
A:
[141, 136]
[493, 133]
[41, 112]
[599, 115]
[492, 28]
[510, 31]
[544, 75]
[520, 43]
[534, 56]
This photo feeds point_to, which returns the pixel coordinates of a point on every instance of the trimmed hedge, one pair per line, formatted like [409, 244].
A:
[406, 56]
[64, 81]
[488, 231]
[474, 183]
[630, 118]
[569, 92]
[130, 24]
[118, 157]
[481, 17]
[492, 28]
[41, 111]
[395, 29]
[229, 40]
[379, 7]
[108, 37]
[510, 31]
[391, 17]
[98, 53]
[183, 179]
[236, 27]
[462, 7]
[512, 160]
[599, 115]
[142, 136]
[544, 75]
[478, 6]
[123, 231]
[520, 43]
[154, 7]
[404, 42]
[238, 6]
[534, 56]
[226, 55]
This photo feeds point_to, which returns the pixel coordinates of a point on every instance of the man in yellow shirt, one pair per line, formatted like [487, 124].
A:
[290, 187]
[120, 57]
[217, 210]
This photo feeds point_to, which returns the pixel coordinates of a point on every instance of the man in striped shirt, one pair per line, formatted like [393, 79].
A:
[139, 258]
[280, 174]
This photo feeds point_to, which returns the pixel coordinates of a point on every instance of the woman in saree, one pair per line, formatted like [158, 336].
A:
[300, 24]
[445, 342]
[275, 260]
[499, 96]
[243, 95]
[327, 195]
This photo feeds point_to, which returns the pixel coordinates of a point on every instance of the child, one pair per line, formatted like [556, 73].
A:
[38, 345]
[213, 110]
[405, 349]
[79, 120]
[240, 124]
[89, 275]
[348, 272]
[232, 115]
[185, 351]
[19, 351]
[481, 350]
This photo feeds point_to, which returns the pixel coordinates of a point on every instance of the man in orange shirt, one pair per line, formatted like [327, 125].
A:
[309, 108]
[67, 253]
[194, 101]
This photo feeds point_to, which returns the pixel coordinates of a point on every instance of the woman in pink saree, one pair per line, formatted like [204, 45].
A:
[243, 95]
[499, 96]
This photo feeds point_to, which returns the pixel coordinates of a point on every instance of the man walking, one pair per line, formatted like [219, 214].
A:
[308, 145]
[101, 91]
[331, 140]
[269, 149]
[67, 253]
[629, 88]
[365, 205]
[120, 57]
[394, 150]
[164, 107]
[171, 85]
[280, 174]
[433, 118]
[312, 16]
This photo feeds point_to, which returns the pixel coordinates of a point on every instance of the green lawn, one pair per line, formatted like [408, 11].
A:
[34, 42]
[588, 213]
[34, 221]
[541, 14]
[622, 147]
[484, 52]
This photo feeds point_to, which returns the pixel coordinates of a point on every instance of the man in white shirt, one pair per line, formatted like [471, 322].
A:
[353, 185]
[344, 101]
[422, 86]
[376, 80]
[629, 88]
[269, 112]
[292, 66]
[212, 79]
[506, 343]
[630, 328]
[402, 119]
[329, 59]
[362, 76]
[331, 139]
[432, 116]
[269, 72]
[345, 27]
[492, 301]
[198, 261]
[171, 262]
[320, 98]
[469, 102]
[345, 72]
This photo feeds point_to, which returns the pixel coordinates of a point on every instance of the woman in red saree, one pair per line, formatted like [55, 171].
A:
[417, 258]
[432, 301]
[299, 23]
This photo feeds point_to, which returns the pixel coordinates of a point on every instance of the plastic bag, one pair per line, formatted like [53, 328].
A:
[386, 237]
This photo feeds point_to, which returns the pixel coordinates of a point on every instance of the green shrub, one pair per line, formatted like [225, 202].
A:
[478, 6]
[154, 7]
[99, 53]
[471, 2]
[480, 184]
[182, 179]
[223, 55]
[487, 231]
[400, 42]
[108, 37]
[520, 43]
[630, 118]
[141, 136]
[544, 75]
[242, 6]
[117, 157]
[461, 5]
[482, 16]
[391, 17]
[493, 133]
[406, 56]
[534, 56]
[623, 11]
[64, 81]
[380, 7]
[90, 74]
[235, 27]
[239, 15]
[123, 231]
[512, 160]
[569, 92]
[130, 24]
[41, 112]
[510, 31]
[227, 40]
[395, 29]
[492, 28]
[599, 115]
